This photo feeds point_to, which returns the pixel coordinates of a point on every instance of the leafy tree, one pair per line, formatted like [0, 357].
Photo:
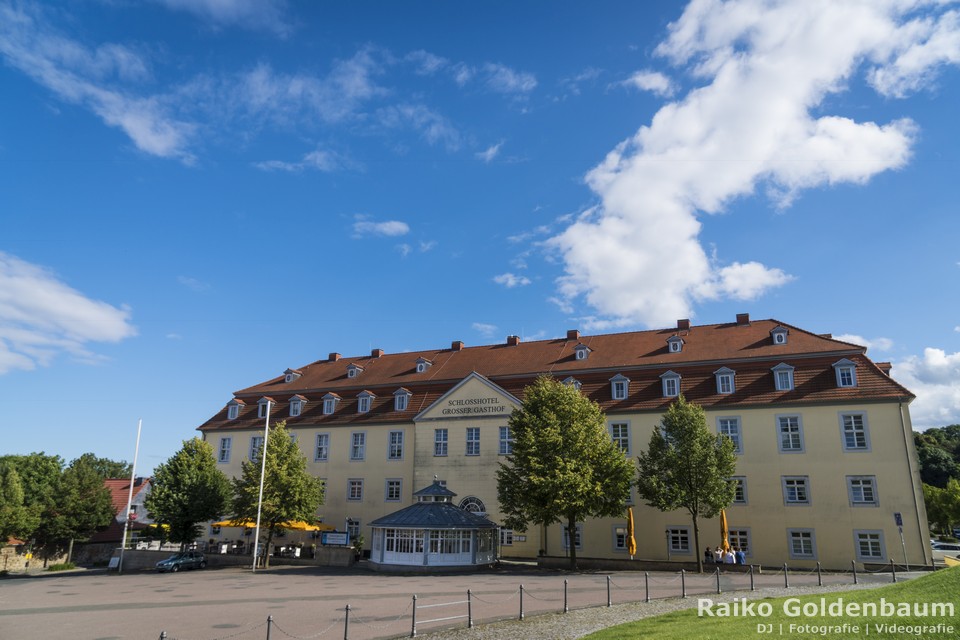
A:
[188, 489]
[564, 467]
[289, 492]
[936, 508]
[16, 519]
[938, 452]
[687, 467]
[39, 476]
[107, 468]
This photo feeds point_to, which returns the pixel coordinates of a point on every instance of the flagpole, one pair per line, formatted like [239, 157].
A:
[263, 472]
[133, 477]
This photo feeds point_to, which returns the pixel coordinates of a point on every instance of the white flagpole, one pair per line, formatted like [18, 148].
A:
[133, 477]
[263, 472]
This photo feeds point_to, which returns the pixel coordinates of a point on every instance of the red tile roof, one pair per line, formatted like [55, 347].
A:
[120, 490]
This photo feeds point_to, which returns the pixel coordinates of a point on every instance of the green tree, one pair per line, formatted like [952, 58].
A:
[289, 492]
[564, 467]
[186, 490]
[107, 468]
[16, 518]
[937, 516]
[687, 467]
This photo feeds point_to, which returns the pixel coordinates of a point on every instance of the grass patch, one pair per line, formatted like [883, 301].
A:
[939, 587]
[63, 566]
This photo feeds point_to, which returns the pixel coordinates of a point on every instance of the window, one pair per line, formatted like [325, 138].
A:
[363, 402]
[330, 403]
[296, 407]
[233, 410]
[725, 380]
[730, 427]
[779, 335]
[224, 454]
[855, 436]
[263, 407]
[870, 546]
[802, 544]
[783, 377]
[678, 539]
[671, 384]
[290, 375]
[796, 490]
[358, 445]
[582, 351]
[394, 490]
[740, 538]
[355, 489]
[740, 495]
[473, 441]
[620, 432]
[619, 387]
[401, 400]
[256, 443]
[395, 446]
[619, 538]
[506, 441]
[846, 372]
[675, 344]
[353, 528]
[862, 490]
[506, 537]
[354, 370]
[790, 433]
[573, 382]
[323, 447]
[473, 504]
[578, 537]
[439, 442]
[423, 364]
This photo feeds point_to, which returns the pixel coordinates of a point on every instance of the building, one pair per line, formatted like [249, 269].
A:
[826, 465]
[138, 518]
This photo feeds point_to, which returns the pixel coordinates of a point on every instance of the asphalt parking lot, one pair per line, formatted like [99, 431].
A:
[220, 603]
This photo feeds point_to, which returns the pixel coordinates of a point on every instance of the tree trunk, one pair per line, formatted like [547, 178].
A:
[266, 550]
[572, 542]
[70, 551]
[696, 542]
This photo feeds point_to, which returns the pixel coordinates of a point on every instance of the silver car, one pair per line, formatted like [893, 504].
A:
[185, 560]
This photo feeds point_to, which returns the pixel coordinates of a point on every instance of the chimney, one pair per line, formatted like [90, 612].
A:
[456, 345]
[885, 367]
[513, 341]
[333, 357]
[828, 336]
[376, 353]
[743, 318]
[683, 325]
[573, 334]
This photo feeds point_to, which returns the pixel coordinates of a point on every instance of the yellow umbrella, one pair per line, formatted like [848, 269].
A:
[724, 531]
[631, 541]
[296, 525]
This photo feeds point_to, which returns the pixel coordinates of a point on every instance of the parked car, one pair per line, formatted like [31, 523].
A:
[185, 560]
[945, 546]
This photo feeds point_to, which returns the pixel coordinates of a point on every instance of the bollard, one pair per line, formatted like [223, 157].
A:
[413, 624]
[469, 611]
[786, 579]
[718, 579]
[819, 577]
[854, 564]
[609, 601]
[346, 622]
[163, 635]
[565, 607]
[646, 584]
[752, 587]
[521, 602]
[269, 626]
[683, 583]
[893, 569]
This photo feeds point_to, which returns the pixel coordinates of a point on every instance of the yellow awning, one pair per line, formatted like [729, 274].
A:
[294, 525]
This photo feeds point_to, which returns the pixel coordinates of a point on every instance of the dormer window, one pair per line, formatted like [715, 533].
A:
[364, 401]
[674, 344]
[263, 407]
[290, 375]
[619, 387]
[846, 372]
[296, 405]
[779, 335]
[354, 370]
[582, 351]
[726, 380]
[671, 384]
[330, 403]
[233, 409]
[423, 364]
[783, 377]
[573, 382]
[401, 399]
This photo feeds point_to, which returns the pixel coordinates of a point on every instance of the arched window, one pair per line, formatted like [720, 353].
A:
[473, 504]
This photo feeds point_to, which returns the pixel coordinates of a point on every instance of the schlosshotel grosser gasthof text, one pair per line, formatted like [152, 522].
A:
[825, 455]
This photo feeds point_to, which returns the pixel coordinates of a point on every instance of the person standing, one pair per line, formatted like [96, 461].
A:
[708, 556]
[741, 556]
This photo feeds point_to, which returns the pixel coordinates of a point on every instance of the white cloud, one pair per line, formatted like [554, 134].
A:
[427, 245]
[250, 14]
[877, 344]
[757, 121]
[193, 283]
[918, 50]
[41, 318]
[510, 280]
[404, 249]
[503, 79]
[363, 226]
[319, 159]
[486, 330]
[935, 379]
[652, 81]
[427, 63]
[433, 127]
[490, 153]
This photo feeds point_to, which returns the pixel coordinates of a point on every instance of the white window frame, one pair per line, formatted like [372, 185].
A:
[355, 490]
[364, 401]
[441, 442]
[799, 433]
[860, 488]
[730, 426]
[806, 537]
[582, 351]
[726, 381]
[233, 410]
[223, 452]
[573, 382]
[358, 446]
[395, 445]
[506, 537]
[423, 364]
[796, 490]
[473, 441]
[862, 430]
[741, 488]
[401, 400]
[619, 387]
[679, 540]
[779, 335]
[619, 538]
[296, 407]
[393, 483]
[846, 372]
[620, 434]
[329, 404]
[321, 450]
[506, 442]
[675, 344]
[578, 536]
[874, 539]
[783, 377]
[255, 443]
[262, 408]
[740, 534]
[354, 370]
[670, 381]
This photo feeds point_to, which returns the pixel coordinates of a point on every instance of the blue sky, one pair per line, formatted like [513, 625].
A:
[197, 194]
